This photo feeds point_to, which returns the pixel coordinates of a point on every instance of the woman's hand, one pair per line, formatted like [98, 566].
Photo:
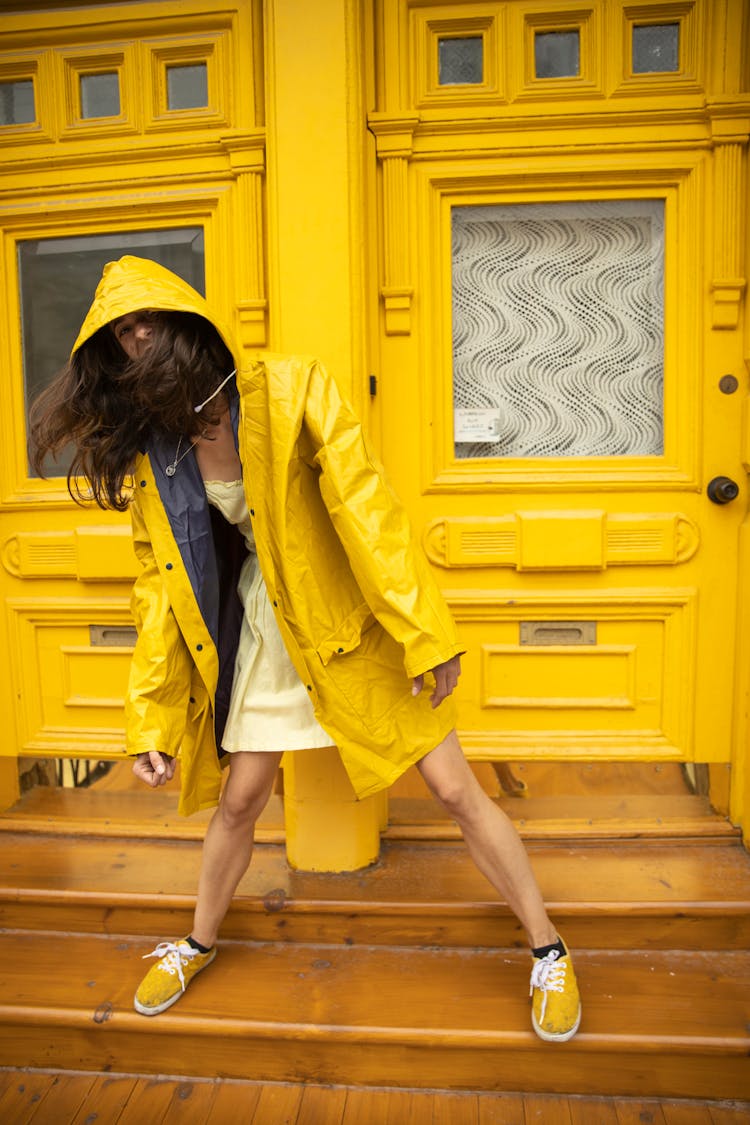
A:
[154, 768]
[446, 677]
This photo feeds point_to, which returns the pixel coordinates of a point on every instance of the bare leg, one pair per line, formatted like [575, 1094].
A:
[493, 842]
[228, 846]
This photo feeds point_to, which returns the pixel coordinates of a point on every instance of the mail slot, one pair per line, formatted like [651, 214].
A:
[112, 636]
[557, 632]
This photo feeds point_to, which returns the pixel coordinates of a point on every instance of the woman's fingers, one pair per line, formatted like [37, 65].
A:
[154, 768]
[446, 677]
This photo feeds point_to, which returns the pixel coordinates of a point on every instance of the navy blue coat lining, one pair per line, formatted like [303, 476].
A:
[212, 552]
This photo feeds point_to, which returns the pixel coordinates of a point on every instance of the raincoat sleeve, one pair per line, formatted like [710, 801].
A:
[374, 529]
[159, 685]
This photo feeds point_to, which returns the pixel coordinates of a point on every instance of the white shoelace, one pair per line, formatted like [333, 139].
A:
[173, 957]
[548, 975]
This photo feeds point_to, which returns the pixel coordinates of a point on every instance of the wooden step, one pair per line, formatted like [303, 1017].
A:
[141, 813]
[685, 895]
[573, 817]
[409, 972]
[658, 1024]
[153, 815]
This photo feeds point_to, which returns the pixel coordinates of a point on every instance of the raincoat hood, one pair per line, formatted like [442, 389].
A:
[131, 284]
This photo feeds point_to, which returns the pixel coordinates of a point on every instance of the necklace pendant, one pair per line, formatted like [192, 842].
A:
[170, 470]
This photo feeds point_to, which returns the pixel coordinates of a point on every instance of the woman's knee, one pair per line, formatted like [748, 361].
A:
[246, 792]
[449, 777]
[457, 794]
[455, 787]
[240, 808]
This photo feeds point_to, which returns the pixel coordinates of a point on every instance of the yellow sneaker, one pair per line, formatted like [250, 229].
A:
[165, 982]
[556, 1004]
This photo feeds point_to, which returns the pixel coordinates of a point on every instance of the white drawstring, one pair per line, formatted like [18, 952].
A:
[200, 405]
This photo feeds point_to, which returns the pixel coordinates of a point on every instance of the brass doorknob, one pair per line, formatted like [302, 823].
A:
[721, 490]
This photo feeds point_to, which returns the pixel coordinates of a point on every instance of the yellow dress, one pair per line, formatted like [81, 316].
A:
[269, 707]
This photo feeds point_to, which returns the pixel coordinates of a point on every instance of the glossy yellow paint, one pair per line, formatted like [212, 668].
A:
[536, 547]
[327, 829]
[66, 571]
[323, 173]
[65, 583]
[316, 222]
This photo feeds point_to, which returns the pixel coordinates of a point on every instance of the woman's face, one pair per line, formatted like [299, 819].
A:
[133, 332]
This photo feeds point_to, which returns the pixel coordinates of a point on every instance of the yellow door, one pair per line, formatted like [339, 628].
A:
[122, 130]
[562, 384]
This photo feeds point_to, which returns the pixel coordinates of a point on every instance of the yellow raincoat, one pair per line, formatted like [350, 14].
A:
[356, 602]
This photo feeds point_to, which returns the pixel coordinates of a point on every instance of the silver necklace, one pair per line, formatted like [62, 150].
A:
[172, 469]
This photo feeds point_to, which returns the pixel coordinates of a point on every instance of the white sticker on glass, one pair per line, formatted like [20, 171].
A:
[477, 425]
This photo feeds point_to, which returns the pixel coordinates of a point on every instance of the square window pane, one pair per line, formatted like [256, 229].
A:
[187, 87]
[17, 103]
[557, 54]
[57, 278]
[656, 48]
[461, 61]
[558, 329]
[100, 95]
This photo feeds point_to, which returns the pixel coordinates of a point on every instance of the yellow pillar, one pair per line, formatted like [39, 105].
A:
[327, 828]
[9, 790]
[316, 139]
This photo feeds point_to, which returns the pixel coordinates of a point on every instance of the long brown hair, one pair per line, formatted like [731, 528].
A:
[107, 405]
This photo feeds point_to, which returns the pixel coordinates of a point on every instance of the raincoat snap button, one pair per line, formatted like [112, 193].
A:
[309, 687]
[143, 484]
[276, 603]
[169, 566]
[192, 699]
[199, 648]
[252, 511]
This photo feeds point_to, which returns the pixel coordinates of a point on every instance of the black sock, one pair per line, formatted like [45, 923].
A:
[197, 945]
[545, 949]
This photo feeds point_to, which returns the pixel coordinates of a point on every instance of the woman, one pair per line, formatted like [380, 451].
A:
[282, 604]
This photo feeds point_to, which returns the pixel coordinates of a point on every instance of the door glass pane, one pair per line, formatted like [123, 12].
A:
[57, 279]
[656, 48]
[17, 103]
[558, 329]
[460, 61]
[187, 87]
[556, 54]
[100, 95]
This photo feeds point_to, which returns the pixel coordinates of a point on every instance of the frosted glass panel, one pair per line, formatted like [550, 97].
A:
[556, 54]
[558, 329]
[100, 95]
[187, 87]
[17, 102]
[656, 48]
[57, 278]
[460, 61]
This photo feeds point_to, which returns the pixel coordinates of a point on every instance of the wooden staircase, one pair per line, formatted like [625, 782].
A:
[407, 974]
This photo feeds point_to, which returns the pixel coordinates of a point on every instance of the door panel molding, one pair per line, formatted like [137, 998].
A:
[680, 182]
[627, 696]
[622, 539]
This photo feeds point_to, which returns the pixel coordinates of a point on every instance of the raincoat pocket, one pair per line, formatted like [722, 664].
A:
[368, 682]
[348, 635]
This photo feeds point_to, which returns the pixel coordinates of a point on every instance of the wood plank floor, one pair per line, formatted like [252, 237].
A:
[81, 1099]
